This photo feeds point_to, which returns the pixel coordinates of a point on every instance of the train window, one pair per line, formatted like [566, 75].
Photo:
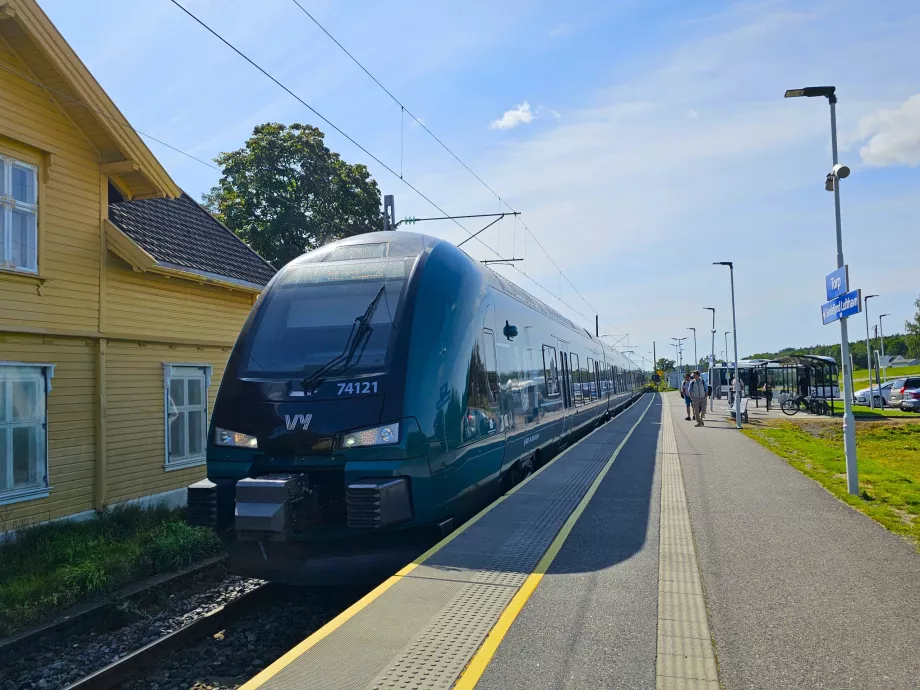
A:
[597, 378]
[488, 340]
[480, 419]
[590, 380]
[576, 378]
[550, 371]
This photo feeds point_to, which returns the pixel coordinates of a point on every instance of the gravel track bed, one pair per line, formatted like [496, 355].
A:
[231, 657]
[136, 621]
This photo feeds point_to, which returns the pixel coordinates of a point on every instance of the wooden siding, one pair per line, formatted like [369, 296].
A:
[145, 304]
[136, 437]
[69, 208]
[71, 428]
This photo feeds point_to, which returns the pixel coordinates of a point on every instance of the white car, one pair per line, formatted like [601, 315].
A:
[882, 395]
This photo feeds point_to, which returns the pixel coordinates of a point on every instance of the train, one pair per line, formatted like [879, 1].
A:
[385, 388]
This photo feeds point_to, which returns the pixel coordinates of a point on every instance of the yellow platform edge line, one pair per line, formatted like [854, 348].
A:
[477, 666]
[282, 662]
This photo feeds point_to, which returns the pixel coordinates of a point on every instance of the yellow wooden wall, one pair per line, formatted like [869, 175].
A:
[69, 208]
[150, 305]
[71, 425]
[136, 438]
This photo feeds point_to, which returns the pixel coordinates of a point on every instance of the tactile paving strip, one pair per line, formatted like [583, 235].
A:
[685, 659]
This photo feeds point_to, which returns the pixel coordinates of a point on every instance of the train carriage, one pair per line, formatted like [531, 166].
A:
[385, 388]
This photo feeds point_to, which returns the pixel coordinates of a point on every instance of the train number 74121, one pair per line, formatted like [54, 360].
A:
[357, 388]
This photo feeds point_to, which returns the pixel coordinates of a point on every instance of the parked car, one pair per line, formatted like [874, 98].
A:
[883, 395]
[898, 386]
[910, 401]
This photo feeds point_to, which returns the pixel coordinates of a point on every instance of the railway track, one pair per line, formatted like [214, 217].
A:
[148, 655]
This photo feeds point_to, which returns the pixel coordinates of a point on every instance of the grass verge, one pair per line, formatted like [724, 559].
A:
[55, 565]
[888, 454]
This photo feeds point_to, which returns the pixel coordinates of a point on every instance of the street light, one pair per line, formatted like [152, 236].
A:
[712, 385]
[738, 385]
[881, 336]
[696, 359]
[837, 173]
[869, 352]
[680, 351]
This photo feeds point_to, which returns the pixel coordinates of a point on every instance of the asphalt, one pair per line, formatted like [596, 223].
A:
[802, 591]
[592, 621]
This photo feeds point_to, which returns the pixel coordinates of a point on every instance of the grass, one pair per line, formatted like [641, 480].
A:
[54, 565]
[888, 454]
[861, 379]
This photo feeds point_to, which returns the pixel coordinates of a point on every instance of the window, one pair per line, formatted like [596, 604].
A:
[186, 413]
[576, 377]
[23, 430]
[480, 419]
[488, 341]
[18, 215]
[550, 372]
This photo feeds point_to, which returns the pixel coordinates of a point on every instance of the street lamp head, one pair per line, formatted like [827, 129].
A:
[710, 308]
[841, 171]
[723, 263]
[881, 315]
[811, 92]
[868, 297]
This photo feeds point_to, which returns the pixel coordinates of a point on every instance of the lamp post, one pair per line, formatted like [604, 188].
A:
[680, 352]
[713, 360]
[869, 352]
[738, 385]
[696, 359]
[833, 184]
[881, 337]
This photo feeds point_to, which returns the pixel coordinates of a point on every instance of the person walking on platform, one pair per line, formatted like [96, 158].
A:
[731, 392]
[697, 392]
[685, 394]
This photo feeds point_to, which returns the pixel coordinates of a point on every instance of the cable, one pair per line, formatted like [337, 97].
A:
[408, 112]
[325, 119]
[98, 112]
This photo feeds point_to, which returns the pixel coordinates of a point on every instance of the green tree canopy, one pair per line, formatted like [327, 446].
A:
[665, 365]
[285, 193]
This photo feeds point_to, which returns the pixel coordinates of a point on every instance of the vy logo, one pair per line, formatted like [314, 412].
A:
[298, 419]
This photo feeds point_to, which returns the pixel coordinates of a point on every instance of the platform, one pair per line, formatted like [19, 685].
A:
[592, 573]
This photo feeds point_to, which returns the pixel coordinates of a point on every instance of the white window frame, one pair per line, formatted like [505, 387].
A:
[185, 371]
[7, 205]
[42, 373]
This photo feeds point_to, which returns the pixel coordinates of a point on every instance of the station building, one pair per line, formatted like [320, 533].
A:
[120, 297]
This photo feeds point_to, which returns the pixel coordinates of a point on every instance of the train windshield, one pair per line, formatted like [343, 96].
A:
[309, 319]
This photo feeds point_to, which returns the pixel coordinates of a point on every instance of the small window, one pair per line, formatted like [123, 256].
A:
[23, 431]
[18, 215]
[480, 417]
[488, 340]
[186, 413]
[550, 371]
[576, 378]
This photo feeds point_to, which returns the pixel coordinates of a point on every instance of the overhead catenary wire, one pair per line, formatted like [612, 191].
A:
[405, 111]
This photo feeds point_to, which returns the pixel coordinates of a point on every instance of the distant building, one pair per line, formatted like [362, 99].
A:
[899, 361]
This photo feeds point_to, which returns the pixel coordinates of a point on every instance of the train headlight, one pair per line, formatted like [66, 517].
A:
[375, 436]
[234, 439]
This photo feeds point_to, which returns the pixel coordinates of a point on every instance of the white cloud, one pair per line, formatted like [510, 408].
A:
[692, 114]
[893, 135]
[519, 115]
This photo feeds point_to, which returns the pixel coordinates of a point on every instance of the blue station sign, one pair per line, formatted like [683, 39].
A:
[842, 306]
[838, 282]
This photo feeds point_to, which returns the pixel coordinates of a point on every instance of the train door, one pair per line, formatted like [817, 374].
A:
[568, 410]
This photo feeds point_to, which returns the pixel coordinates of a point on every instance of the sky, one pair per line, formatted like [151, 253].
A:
[640, 140]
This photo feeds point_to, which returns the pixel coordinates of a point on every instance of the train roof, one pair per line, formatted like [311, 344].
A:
[404, 243]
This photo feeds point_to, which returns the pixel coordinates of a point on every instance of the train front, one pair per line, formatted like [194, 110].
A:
[314, 473]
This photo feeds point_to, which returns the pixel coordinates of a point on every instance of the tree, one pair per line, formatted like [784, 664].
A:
[913, 332]
[665, 365]
[284, 193]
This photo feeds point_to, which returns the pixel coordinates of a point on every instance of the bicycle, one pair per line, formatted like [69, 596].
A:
[817, 406]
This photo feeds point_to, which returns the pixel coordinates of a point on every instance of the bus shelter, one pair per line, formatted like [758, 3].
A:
[804, 375]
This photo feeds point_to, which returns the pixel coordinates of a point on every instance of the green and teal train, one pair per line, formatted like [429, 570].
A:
[384, 389]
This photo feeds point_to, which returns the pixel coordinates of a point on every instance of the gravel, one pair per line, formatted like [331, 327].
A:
[134, 622]
[231, 657]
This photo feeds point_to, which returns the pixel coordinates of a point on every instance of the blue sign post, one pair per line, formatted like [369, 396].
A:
[838, 282]
[842, 306]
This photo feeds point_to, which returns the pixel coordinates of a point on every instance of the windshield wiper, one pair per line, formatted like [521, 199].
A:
[360, 330]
